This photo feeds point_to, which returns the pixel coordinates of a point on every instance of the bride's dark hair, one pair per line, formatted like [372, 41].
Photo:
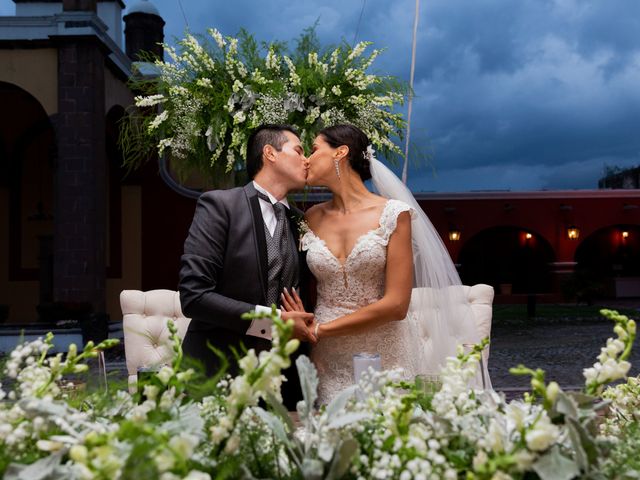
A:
[356, 140]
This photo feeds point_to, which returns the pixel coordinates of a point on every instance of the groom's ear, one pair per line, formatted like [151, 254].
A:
[268, 154]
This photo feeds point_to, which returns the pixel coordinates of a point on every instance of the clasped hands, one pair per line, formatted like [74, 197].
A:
[304, 324]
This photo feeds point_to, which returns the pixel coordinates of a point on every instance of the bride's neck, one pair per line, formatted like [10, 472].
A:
[349, 194]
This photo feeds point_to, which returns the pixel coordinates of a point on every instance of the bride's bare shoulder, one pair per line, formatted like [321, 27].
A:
[379, 201]
[315, 212]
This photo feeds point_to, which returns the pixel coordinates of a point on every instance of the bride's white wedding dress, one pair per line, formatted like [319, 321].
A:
[345, 288]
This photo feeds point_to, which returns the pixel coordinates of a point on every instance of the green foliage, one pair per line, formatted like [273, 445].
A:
[380, 428]
[623, 461]
[214, 91]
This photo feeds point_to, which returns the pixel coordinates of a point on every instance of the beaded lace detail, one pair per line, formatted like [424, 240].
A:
[344, 288]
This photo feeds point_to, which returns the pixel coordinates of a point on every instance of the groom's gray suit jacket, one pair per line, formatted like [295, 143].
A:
[224, 270]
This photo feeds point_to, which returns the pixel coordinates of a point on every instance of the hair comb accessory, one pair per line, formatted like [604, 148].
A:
[369, 153]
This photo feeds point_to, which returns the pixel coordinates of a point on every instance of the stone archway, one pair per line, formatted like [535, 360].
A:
[27, 163]
[609, 259]
[509, 258]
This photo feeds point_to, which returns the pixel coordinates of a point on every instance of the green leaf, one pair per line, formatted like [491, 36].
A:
[308, 382]
[188, 420]
[582, 399]
[587, 442]
[566, 405]
[340, 401]
[312, 469]
[348, 418]
[554, 466]
[39, 470]
[274, 424]
[280, 410]
[580, 454]
[342, 459]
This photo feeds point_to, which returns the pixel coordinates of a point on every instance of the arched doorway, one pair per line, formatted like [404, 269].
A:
[609, 259]
[27, 162]
[510, 259]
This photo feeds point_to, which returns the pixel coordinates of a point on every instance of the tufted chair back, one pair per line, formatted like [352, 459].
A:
[480, 299]
[146, 336]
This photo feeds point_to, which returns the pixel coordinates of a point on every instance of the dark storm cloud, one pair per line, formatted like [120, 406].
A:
[524, 94]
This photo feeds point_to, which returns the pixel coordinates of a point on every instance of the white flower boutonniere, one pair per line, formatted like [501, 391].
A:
[303, 228]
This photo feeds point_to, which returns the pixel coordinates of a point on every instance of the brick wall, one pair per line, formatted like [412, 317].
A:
[80, 175]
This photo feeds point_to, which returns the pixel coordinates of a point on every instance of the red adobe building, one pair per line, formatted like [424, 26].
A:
[551, 243]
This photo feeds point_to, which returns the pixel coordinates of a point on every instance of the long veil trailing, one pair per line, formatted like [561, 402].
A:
[439, 305]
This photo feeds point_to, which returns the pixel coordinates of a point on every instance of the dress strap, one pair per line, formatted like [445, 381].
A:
[389, 217]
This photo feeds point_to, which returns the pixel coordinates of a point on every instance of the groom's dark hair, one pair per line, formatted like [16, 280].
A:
[268, 134]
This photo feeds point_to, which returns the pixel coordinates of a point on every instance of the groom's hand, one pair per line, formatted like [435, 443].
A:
[302, 322]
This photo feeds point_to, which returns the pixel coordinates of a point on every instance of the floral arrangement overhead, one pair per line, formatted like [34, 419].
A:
[380, 428]
[212, 92]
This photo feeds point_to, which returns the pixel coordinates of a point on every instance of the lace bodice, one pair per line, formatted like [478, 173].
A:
[344, 288]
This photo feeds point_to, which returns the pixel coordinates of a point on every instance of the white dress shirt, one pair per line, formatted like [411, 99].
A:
[261, 327]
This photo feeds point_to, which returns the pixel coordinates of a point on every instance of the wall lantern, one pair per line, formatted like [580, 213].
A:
[454, 235]
[573, 232]
[528, 236]
[625, 234]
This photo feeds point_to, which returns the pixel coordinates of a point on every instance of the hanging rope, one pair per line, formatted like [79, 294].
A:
[355, 35]
[186, 23]
[413, 68]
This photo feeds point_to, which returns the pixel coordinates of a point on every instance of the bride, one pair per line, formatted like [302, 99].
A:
[367, 253]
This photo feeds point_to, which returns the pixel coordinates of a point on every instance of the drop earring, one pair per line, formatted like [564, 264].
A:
[336, 162]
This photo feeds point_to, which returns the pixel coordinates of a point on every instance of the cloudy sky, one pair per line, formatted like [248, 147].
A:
[519, 95]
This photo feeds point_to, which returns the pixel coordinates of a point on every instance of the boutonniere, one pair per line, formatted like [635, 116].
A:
[303, 228]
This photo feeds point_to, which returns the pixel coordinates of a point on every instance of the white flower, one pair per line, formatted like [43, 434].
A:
[542, 435]
[197, 475]
[164, 460]
[272, 61]
[167, 399]
[480, 459]
[590, 374]
[184, 445]
[357, 50]
[78, 453]
[165, 374]
[150, 100]
[232, 444]
[49, 446]
[495, 436]
[157, 121]
[151, 391]
[217, 36]
[523, 459]
[239, 117]
[336, 90]
[237, 86]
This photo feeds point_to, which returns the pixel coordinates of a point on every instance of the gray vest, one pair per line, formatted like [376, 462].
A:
[282, 257]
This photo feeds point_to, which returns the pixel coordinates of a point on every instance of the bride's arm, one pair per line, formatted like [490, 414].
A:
[398, 284]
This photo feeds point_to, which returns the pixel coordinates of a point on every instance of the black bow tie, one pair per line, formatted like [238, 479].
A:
[275, 205]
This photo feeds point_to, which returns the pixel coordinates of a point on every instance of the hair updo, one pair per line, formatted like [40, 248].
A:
[356, 140]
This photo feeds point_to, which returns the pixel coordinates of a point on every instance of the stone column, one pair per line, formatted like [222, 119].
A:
[80, 174]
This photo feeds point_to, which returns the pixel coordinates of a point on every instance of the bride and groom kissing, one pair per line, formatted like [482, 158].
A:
[366, 253]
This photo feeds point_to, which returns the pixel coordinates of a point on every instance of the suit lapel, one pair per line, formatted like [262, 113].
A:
[261, 241]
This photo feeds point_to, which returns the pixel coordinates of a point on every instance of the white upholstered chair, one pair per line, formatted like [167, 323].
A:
[480, 299]
[146, 337]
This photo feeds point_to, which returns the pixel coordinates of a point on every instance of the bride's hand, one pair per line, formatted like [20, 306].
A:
[291, 303]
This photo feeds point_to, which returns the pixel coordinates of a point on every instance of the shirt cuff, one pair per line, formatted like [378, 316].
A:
[261, 327]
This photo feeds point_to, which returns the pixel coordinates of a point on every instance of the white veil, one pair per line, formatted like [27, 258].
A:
[439, 312]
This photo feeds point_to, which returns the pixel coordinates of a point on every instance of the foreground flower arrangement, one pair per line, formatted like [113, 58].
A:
[381, 428]
[214, 91]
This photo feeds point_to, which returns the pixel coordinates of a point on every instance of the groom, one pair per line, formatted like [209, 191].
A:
[241, 252]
